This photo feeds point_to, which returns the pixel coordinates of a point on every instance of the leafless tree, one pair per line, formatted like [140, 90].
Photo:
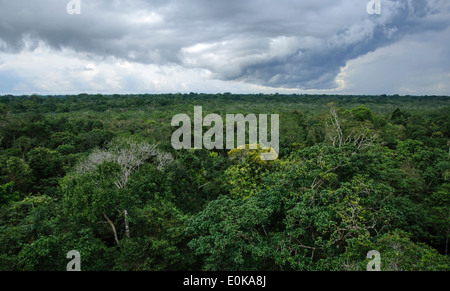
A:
[361, 137]
[164, 159]
[129, 155]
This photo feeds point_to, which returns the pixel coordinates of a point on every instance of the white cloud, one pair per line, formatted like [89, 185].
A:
[412, 66]
[47, 71]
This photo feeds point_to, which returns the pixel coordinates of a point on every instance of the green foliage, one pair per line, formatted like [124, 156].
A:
[229, 233]
[397, 252]
[95, 255]
[44, 254]
[98, 174]
[196, 177]
[362, 113]
[245, 178]
[7, 193]
[87, 196]
[157, 241]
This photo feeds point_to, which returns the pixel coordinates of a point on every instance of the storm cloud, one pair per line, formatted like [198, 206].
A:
[276, 44]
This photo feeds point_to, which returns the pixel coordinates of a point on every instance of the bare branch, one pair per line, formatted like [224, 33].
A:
[129, 157]
[127, 224]
[112, 227]
[164, 159]
[360, 137]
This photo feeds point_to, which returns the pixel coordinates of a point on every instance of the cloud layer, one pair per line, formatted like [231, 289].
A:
[287, 44]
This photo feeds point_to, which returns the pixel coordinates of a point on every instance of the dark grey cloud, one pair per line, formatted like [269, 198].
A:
[318, 66]
[290, 44]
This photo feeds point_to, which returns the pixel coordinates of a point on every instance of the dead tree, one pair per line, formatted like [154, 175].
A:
[129, 155]
[361, 137]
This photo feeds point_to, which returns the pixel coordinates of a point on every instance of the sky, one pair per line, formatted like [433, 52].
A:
[216, 46]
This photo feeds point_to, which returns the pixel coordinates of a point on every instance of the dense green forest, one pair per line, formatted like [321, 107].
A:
[98, 174]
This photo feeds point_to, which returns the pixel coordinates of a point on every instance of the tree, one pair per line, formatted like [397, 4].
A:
[362, 113]
[44, 254]
[398, 253]
[245, 178]
[195, 178]
[93, 196]
[158, 242]
[230, 234]
[20, 173]
[7, 193]
[361, 135]
[104, 168]
[128, 154]
[439, 203]
[84, 173]
[45, 163]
